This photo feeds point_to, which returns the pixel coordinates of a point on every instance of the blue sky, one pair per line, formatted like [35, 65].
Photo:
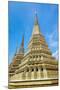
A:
[21, 22]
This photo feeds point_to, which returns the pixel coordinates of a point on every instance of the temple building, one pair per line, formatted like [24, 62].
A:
[36, 66]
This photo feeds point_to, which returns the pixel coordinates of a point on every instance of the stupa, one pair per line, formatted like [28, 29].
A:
[16, 59]
[36, 67]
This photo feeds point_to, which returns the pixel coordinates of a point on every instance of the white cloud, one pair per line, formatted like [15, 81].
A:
[56, 54]
[52, 39]
[53, 42]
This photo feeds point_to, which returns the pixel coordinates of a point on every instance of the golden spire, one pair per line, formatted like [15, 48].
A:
[21, 50]
[36, 26]
[36, 19]
[16, 51]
